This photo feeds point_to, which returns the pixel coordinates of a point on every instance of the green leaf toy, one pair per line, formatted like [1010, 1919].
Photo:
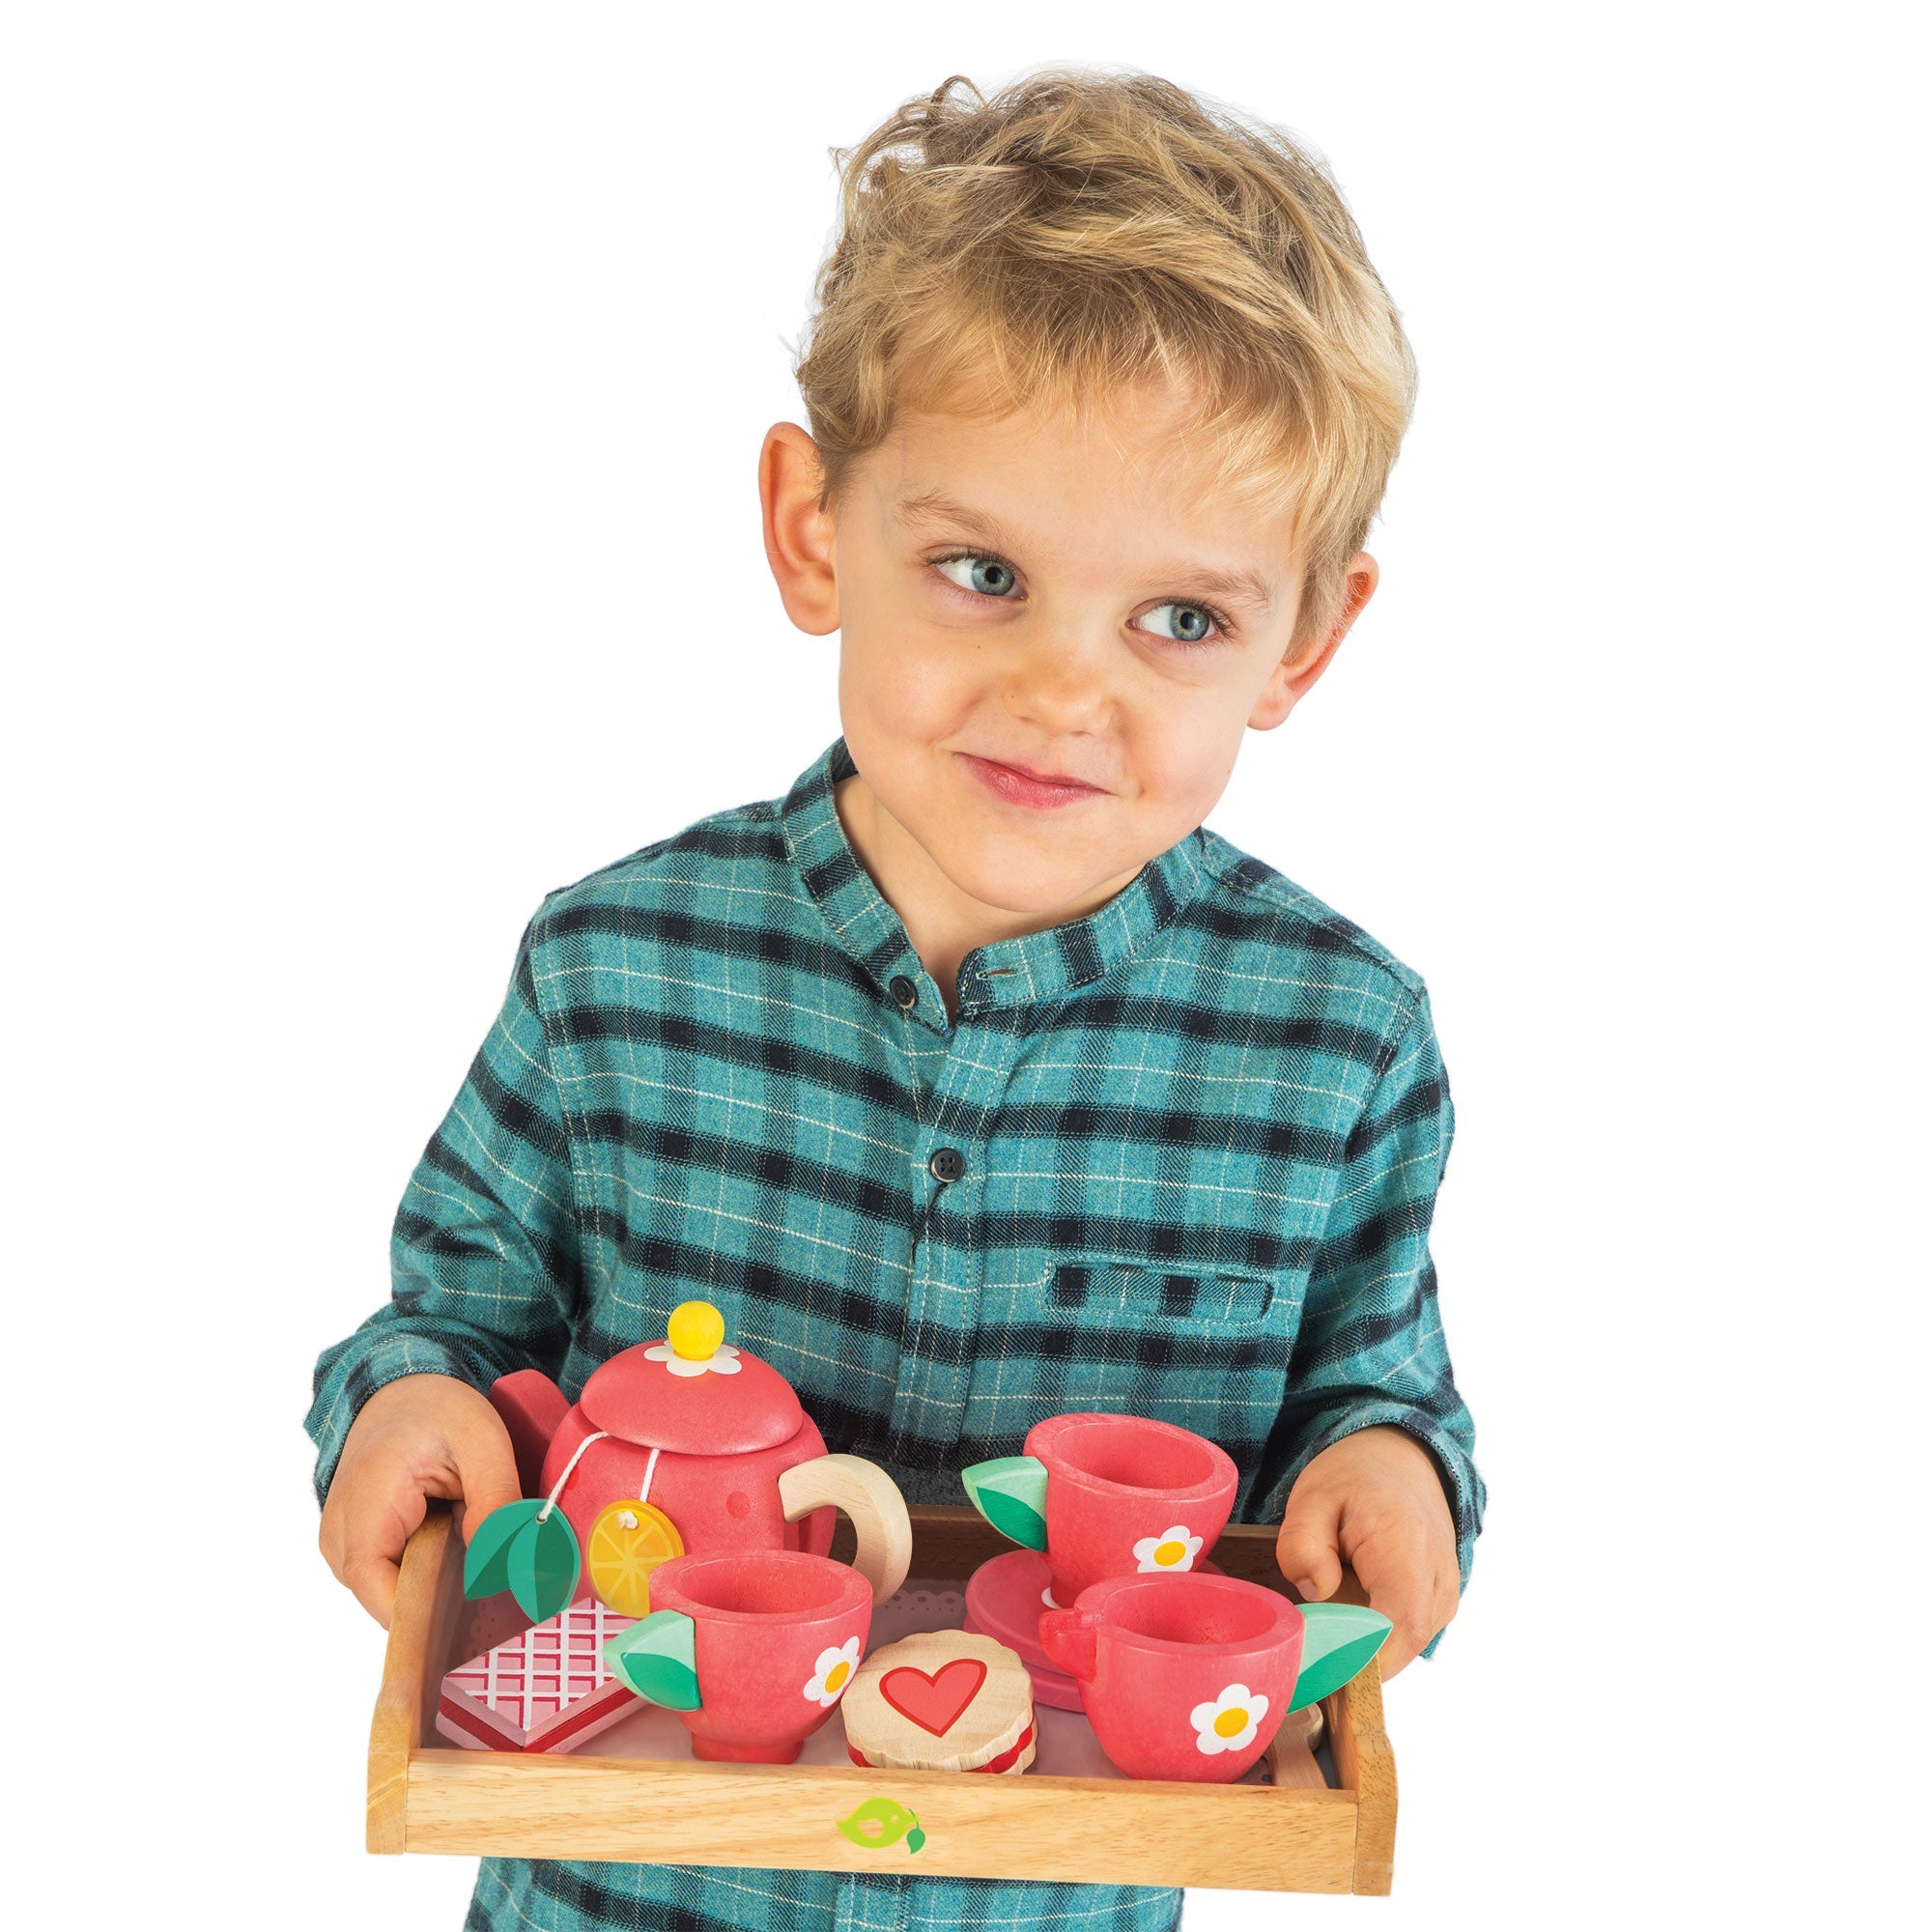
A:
[1010, 1492]
[1337, 1641]
[528, 1549]
[657, 1658]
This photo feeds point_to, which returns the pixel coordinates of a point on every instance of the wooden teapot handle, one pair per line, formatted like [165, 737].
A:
[870, 1498]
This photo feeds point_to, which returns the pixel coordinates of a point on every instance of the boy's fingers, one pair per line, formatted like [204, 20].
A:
[372, 1549]
[1402, 1585]
[486, 1468]
[373, 1579]
[1307, 1547]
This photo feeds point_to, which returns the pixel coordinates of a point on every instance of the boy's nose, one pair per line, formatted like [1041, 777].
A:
[1059, 686]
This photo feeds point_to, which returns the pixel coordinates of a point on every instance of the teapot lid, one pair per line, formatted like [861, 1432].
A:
[692, 1393]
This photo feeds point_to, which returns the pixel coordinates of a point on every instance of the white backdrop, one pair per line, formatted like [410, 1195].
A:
[381, 389]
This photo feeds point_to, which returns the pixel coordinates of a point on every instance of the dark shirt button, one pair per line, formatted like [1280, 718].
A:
[947, 1164]
[903, 991]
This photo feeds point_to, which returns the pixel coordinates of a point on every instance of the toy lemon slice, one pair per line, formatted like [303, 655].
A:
[628, 1540]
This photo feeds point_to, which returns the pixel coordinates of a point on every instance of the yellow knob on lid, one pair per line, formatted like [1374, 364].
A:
[695, 1330]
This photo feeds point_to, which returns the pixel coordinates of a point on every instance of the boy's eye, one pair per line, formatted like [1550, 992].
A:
[1184, 623]
[986, 575]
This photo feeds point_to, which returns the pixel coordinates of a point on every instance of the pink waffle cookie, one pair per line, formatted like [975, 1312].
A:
[544, 1690]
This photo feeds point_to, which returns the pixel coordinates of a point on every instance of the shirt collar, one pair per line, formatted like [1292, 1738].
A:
[1004, 973]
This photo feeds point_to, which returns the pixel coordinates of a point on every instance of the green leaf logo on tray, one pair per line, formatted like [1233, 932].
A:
[529, 1550]
[880, 1822]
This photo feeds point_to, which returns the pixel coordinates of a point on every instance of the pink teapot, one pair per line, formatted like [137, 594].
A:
[682, 1446]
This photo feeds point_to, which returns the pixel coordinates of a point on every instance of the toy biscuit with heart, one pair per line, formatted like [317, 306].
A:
[942, 1700]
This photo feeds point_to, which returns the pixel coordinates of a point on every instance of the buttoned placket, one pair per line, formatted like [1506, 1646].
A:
[948, 1173]
[881, 1903]
[954, 1119]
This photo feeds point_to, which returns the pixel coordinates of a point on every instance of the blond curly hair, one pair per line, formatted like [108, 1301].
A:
[1080, 231]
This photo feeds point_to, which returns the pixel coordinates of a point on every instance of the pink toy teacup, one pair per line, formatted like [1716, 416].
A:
[752, 1648]
[1182, 1677]
[1108, 1496]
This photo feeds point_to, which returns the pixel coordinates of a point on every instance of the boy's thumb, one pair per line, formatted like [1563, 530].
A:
[1307, 1551]
[486, 1465]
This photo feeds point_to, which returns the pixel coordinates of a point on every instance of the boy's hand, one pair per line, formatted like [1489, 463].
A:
[1374, 1501]
[420, 1436]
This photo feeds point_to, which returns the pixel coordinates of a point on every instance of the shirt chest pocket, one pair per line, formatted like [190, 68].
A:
[1190, 1342]
[1103, 1291]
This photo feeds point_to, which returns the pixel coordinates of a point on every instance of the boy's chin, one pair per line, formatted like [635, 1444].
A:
[1023, 884]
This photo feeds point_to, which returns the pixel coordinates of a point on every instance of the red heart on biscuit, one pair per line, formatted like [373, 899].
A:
[936, 1702]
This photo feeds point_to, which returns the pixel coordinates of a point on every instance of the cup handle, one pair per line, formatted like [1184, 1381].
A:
[1010, 1492]
[870, 1498]
[1070, 1640]
[657, 1657]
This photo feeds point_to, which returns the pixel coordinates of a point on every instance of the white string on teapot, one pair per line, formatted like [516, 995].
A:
[549, 1501]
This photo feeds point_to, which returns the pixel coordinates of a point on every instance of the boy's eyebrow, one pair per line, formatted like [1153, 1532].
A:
[935, 506]
[1238, 587]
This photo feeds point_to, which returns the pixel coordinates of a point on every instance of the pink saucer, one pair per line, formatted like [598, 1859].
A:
[1004, 1602]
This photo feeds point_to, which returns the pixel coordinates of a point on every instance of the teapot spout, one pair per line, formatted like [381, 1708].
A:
[533, 1408]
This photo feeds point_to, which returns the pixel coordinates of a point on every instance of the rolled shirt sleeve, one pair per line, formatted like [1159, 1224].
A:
[484, 1253]
[1370, 1349]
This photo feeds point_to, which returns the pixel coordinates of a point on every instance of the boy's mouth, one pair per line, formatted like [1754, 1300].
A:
[1019, 786]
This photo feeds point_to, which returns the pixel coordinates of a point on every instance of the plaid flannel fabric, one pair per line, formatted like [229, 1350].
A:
[1194, 1140]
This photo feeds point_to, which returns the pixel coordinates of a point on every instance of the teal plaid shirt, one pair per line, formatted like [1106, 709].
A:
[1194, 1140]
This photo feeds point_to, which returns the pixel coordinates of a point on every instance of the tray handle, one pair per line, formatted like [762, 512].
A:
[429, 1598]
[1364, 1762]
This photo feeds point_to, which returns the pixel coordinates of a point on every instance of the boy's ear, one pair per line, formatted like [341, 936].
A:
[1294, 675]
[800, 537]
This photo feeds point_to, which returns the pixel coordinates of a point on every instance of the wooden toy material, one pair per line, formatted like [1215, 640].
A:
[1006, 1599]
[754, 1649]
[1108, 1496]
[708, 1434]
[1290, 1758]
[1307, 1724]
[633, 1797]
[547, 1689]
[628, 1540]
[1181, 1677]
[870, 1500]
[529, 1550]
[1003, 1602]
[941, 1701]
[533, 1408]
[1337, 1640]
[1017, 1757]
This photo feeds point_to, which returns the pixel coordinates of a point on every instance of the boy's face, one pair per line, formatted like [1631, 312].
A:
[1077, 599]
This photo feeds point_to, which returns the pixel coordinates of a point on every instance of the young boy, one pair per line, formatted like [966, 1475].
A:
[974, 1079]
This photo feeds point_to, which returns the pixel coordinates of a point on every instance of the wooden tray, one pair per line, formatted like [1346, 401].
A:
[427, 1797]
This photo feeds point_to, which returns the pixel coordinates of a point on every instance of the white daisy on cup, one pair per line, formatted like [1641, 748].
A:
[1229, 1722]
[1173, 1550]
[722, 1361]
[832, 1672]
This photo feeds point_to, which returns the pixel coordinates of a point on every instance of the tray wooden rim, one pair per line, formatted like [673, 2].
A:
[427, 1797]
